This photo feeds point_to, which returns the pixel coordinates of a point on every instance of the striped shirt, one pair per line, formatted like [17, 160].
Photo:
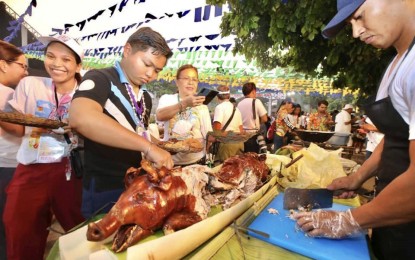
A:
[109, 164]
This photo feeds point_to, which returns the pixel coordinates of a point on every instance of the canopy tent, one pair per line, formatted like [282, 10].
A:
[191, 28]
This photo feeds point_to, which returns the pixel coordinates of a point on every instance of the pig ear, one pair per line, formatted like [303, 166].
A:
[130, 175]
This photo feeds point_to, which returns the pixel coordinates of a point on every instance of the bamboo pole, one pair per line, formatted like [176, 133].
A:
[209, 250]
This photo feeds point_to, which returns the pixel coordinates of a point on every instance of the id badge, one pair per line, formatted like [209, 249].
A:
[50, 150]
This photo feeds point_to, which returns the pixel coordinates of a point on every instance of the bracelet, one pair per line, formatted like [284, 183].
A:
[148, 149]
[180, 107]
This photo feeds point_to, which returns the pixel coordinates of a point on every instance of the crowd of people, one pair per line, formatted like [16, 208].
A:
[38, 177]
[40, 172]
[104, 103]
[289, 117]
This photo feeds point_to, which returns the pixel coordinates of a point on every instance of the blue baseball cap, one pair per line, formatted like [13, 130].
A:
[345, 8]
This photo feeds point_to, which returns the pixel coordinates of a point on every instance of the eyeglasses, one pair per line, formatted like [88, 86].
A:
[24, 66]
[190, 79]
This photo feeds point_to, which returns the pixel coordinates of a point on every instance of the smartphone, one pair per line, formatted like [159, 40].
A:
[209, 94]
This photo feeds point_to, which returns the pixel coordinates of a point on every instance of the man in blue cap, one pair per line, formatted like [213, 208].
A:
[391, 214]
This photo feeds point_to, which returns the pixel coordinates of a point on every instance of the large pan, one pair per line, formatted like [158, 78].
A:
[314, 136]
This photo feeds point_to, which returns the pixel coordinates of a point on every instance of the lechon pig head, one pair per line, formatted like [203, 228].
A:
[148, 200]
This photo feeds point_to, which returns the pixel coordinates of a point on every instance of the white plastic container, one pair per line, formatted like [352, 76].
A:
[340, 139]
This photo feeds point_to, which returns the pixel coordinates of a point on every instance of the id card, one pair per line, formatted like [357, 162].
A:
[50, 150]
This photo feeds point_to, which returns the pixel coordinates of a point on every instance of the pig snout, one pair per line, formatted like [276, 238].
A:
[95, 233]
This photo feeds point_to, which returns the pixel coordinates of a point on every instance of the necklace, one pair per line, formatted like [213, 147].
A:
[185, 114]
[65, 99]
[139, 109]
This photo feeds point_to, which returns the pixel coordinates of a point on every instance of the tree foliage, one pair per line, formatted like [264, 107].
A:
[161, 87]
[287, 33]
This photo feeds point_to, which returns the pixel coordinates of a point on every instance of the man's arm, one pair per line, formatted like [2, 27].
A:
[329, 121]
[395, 204]
[86, 117]
[263, 118]
[355, 180]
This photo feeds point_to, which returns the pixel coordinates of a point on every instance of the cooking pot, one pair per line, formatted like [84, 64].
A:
[314, 136]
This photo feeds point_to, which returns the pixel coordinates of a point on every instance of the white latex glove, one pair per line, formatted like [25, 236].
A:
[331, 224]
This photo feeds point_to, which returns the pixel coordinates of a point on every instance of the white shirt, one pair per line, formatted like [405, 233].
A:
[222, 114]
[402, 90]
[341, 118]
[9, 144]
[294, 120]
[373, 138]
[245, 106]
[36, 96]
[194, 123]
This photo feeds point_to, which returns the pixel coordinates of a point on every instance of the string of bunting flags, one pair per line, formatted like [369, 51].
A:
[15, 25]
[217, 65]
[199, 16]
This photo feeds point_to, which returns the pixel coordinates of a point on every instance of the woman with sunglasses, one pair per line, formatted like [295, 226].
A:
[44, 183]
[12, 69]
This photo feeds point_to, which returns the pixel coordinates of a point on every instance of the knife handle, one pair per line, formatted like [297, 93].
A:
[358, 191]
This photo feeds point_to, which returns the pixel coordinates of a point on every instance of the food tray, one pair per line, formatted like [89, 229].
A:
[173, 145]
[314, 136]
[231, 137]
[29, 120]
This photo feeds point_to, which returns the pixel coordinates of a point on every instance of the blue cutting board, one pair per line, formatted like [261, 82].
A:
[283, 233]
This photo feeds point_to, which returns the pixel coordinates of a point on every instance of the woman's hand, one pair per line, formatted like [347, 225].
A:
[192, 101]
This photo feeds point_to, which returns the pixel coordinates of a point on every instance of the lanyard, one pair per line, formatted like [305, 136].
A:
[57, 103]
[67, 139]
[138, 108]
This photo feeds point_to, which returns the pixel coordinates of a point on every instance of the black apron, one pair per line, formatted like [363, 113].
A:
[396, 242]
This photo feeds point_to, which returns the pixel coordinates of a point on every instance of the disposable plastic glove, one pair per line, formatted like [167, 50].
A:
[331, 224]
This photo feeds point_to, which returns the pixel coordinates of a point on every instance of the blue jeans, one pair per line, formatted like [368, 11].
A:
[93, 201]
[278, 142]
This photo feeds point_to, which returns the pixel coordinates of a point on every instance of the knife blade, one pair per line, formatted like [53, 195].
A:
[294, 198]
